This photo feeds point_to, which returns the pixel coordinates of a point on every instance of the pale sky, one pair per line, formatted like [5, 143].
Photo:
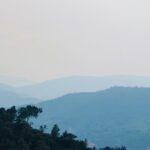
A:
[45, 39]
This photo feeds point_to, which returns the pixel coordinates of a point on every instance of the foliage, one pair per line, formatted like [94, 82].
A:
[16, 133]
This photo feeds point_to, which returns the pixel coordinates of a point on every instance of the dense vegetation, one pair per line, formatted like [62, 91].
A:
[17, 133]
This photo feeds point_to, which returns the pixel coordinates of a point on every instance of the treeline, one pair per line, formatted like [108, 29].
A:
[16, 133]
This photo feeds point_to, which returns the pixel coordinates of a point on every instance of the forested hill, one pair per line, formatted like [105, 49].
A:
[16, 133]
[116, 116]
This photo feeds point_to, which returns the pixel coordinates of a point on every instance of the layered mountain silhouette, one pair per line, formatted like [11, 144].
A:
[10, 98]
[59, 87]
[116, 116]
[55, 88]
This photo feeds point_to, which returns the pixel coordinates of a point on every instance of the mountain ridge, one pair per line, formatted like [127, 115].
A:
[55, 88]
[118, 116]
[10, 98]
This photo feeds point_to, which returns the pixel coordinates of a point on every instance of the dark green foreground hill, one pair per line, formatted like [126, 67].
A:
[117, 116]
[16, 133]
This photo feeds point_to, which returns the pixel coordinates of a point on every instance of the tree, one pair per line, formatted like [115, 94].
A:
[24, 113]
[55, 131]
[68, 136]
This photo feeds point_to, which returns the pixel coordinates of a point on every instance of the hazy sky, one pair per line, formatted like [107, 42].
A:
[44, 39]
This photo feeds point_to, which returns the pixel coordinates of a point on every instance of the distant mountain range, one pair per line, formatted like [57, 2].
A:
[116, 116]
[59, 87]
[9, 98]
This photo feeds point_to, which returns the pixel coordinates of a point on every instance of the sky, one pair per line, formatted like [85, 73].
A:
[46, 39]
